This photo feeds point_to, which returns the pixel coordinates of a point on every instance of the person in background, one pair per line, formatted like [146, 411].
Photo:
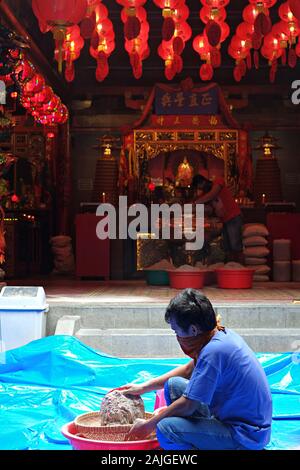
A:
[217, 194]
[220, 400]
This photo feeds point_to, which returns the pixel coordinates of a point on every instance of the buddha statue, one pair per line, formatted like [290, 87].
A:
[185, 174]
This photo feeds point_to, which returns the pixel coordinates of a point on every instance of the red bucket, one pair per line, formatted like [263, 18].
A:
[186, 279]
[80, 443]
[235, 278]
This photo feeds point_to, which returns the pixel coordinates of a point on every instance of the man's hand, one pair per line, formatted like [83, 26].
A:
[133, 389]
[140, 430]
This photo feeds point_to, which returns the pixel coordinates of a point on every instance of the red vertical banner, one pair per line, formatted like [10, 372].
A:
[244, 161]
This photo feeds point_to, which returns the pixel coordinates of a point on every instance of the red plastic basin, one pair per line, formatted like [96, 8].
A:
[186, 279]
[235, 278]
[81, 443]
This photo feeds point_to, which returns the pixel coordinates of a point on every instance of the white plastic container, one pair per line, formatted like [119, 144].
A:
[22, 316]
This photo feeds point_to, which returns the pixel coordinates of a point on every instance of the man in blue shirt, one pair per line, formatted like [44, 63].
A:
[218, 401]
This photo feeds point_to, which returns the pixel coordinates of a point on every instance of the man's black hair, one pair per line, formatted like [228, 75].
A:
[191, 308]
[201, 182]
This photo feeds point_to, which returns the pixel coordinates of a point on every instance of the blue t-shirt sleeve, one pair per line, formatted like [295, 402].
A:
[203, 383]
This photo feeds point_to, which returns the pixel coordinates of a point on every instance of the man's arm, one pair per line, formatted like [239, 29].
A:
[181, 407]
[212, 194]
[184, 371]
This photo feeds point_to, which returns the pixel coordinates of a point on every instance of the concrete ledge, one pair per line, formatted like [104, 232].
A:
[68, 325]
[159, 342]
[279, 315]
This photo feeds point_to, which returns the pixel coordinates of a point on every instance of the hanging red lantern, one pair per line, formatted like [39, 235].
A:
[132, 27]
[35, 85]
[211, 14]
[200, 45]
[292, 58]
[215, 57]
[169, 72]
[27, 70]
[44, 96]
[181, 13]
[283, 57]
[285, 13]
[59, 14]
[237, 74]
[168, 28]
[262, 24]
[215, 3]
[206, 72]
[295, 8]
[178, 63]
[250, 13]
[87, 26]
[70, 72]
[178, 45]
[213, 33]
[256, 40]
[139, 12]
[184, 31]
[245, 30]
[225, 31]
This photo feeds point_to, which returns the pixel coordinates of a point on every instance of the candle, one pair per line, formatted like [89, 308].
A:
[103, 197]
[263, 198]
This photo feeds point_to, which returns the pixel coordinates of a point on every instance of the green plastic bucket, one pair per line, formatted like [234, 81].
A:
[157, 278]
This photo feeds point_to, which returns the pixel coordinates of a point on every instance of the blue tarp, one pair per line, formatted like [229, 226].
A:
[48, 382]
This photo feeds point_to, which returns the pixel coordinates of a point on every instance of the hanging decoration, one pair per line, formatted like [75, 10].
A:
[102, 38]
[38, 98]
[136, 33]
[208, 44]
[72, 46]
[74, 21]
[57, 16]
[175, 33]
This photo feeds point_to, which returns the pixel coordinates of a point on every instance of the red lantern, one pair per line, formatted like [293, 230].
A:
[250, 13]
[168, 28]
[200, 45]
[139, 12]
[215, 57]
[237, 73]
[225, 31]
[245, 30]
[262, 24]
[206, 72]
[285, 13]
[178, 45]
[215, 3]
[210, 14]
[295, 8]
[44, 96]
[87, 27]
[132, 27]
[213, 33]
[292, 58]
[58, 12]
[35, 85]
[181, 13]
[256, 40]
